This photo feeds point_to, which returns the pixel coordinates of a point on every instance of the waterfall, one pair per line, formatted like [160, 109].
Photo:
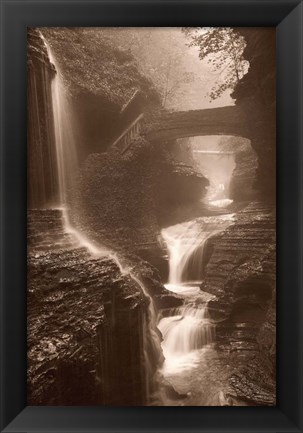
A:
[188, 329]
[67, 166]
[186, 244]
[65, 142]
[186, 247]
[42, 177]
[185, 333]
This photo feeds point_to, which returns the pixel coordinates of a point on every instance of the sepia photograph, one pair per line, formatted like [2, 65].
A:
[151, 216]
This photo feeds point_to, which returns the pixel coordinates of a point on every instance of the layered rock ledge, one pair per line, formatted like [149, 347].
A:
[241, 273]
[86, 322]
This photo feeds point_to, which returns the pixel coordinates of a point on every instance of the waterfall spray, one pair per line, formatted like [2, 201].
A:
[67, 165]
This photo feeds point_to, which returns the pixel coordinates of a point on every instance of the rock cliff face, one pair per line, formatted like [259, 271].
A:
[42, 170]
[86, 323]
[256, 96]
[242, 184]
[241, 274]
[87, 320]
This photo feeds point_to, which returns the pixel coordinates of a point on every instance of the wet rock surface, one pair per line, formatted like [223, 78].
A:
[255, 95]
[42, 173]
[238, 368]
[241, 273]
[241, 186]
[135, 194]
[86, 322]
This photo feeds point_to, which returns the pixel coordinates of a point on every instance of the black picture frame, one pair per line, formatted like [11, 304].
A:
[287, 17]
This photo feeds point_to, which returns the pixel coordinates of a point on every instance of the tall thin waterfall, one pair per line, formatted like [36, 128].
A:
[67, 164]
[65, 142]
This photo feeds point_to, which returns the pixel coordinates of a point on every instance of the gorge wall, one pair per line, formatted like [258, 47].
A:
[242, 186]
[42, 170]
[241, 273]
[255, 96]
[77, 320]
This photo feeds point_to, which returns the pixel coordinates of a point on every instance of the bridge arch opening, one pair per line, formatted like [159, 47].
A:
[229, 163]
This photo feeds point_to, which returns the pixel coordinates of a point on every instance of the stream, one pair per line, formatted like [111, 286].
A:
[192, 364]
[151, 259]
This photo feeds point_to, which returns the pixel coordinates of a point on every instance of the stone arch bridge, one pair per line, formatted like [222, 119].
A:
[228, 120]
[169, 126]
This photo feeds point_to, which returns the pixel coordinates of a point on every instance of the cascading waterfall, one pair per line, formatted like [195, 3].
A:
[67, 166]
[188, 329]
[186, 247]
[185, 332]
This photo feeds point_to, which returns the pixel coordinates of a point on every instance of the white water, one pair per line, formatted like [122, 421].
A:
[67, 161]
[186, 251]
[184, 333]
[185, 242]
[188, 329]
[67, 165]
[187, 318]
[222, 203]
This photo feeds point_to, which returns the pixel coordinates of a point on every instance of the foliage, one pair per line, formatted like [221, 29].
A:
[114, 62]
[163, 57]
[92, 62]
[223, 48]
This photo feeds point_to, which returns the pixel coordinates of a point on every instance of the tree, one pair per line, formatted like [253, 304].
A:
[222, 47]
[174, 78]
[161, 56]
